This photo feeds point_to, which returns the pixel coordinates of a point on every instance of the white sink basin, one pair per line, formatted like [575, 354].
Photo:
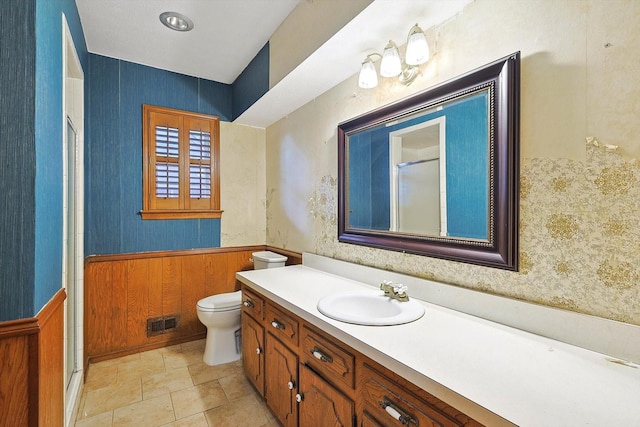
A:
[369, 307]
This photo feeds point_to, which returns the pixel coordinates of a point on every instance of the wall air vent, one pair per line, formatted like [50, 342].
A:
[161, 325]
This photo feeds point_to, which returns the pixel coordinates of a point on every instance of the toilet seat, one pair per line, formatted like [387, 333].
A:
[221, 302]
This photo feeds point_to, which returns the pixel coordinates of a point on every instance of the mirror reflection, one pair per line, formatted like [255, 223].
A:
[436, 174]
[427, 173]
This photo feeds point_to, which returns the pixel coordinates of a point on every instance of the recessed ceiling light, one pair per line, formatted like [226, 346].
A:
[176, 21]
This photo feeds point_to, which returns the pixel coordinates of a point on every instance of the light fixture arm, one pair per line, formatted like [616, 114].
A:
[371, 56]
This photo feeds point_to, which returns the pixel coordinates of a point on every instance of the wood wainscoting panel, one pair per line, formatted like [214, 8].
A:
[216, 270]
[192, 290]
[172, 281]
[123, 291]
[139, 307]
[98, 308]
[51, 362]
[153, 288]
[14, 384]
[32, 368]
[119, 279]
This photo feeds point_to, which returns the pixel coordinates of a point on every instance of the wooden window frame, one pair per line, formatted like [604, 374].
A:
[180, 206]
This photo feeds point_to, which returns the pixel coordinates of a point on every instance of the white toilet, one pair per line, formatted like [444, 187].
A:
[221, 315]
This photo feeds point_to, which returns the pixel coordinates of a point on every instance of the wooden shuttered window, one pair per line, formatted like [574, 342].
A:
[181, 176]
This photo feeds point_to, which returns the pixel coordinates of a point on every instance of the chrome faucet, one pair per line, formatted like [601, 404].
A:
[394, 290]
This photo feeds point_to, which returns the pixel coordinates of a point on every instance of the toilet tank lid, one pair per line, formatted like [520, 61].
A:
[269, 256]
[221, 302]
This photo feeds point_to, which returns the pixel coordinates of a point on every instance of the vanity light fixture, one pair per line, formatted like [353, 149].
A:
[392, 64]
[176, 21]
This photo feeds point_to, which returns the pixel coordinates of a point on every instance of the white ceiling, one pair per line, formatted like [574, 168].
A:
[229, 33]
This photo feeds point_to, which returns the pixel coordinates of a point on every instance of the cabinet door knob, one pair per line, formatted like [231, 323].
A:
[299, 397]
[258, 350]
[277, 324]
[248, 303]
[291, 384]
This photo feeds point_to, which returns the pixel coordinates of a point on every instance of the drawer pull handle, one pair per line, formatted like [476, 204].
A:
[291, 384]
[248, 303]
[320, 355]
[398, 413]
[276, 324]
[258, 350]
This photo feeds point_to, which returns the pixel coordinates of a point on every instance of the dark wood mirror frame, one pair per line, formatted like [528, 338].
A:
[501, 249]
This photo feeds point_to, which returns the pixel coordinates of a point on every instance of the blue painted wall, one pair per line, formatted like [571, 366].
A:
[113, 155]
[467, 170]
[252, 83]
[31, 151]
[17, 158]
[49, 146]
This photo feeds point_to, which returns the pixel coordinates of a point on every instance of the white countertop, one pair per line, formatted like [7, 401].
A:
[494, 373]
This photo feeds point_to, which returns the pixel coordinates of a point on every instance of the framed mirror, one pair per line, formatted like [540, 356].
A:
[437, 174]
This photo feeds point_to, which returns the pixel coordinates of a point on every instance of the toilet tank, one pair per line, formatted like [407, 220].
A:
[267, 259]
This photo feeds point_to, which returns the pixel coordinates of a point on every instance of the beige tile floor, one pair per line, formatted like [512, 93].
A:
[170, 386]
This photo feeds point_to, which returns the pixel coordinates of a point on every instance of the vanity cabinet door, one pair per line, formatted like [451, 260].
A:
[366, 420]
[281, 381]
[322, 405]
[253, 352]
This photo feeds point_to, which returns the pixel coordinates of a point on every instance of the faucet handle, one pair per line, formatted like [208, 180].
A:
[386, 285]
[399, 288]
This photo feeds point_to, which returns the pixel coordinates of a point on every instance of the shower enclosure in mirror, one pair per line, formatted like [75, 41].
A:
[436, 174]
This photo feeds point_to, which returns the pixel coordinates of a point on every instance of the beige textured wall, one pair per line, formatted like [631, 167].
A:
[242, 184]
[580, 202]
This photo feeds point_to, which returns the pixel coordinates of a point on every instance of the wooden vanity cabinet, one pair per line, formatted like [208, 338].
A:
[386, 399]
[253, 348]
[253, 304]
[321, 404]
[253, 352]
[327, 357]
[327, 380]
[281, 381]
[310, 379]
[282, 325]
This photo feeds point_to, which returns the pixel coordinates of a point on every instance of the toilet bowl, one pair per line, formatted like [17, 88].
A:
[221, 315]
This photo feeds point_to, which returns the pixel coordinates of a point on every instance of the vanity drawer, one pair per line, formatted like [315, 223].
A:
[282, 325]
[327, 358]
[384, 401]
[253, 304]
